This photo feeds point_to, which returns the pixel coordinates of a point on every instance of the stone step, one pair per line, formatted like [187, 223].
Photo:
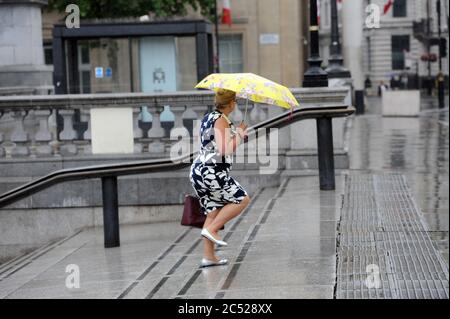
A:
[289, 252]
[179, 271]
[105, 272]
[18, 262]
[282, 246]
[124, 272]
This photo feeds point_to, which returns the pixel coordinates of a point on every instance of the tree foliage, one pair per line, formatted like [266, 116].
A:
[90, 9]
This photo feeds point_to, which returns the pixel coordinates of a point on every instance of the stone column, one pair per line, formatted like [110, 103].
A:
[352, 29]
[21, 47]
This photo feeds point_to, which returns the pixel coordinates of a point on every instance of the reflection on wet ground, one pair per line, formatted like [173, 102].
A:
[416, 147]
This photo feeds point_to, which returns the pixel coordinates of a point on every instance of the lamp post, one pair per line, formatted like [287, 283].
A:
[430, 83]
[315, 76]
[440, 77]
[336, 69]
[216, 22]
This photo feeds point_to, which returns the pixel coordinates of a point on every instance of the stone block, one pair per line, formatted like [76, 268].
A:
[401, 103]
[6, 17]
[303, 160]
[6, 55]
[112, 131]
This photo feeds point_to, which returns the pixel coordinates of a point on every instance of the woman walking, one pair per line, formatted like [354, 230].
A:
[221, 197]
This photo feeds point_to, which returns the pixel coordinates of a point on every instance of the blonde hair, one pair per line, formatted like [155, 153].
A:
[224, 98]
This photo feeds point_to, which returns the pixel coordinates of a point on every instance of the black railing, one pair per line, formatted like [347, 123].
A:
[109, 173]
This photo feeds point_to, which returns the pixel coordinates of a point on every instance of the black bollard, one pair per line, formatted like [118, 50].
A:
[110, 212]
[326, 153]
[441, 90]
[359, 102]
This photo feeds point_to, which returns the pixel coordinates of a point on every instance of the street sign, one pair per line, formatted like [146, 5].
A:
[269, 38]
[108, 72]
[99, 72]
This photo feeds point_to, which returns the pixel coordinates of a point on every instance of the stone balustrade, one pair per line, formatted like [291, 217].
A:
[59, 125]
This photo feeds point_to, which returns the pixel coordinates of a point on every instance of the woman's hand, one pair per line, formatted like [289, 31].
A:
[227, 144]
[242, 130]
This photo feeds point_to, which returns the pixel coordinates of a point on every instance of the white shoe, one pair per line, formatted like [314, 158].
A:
[209, 263]
[205, 233]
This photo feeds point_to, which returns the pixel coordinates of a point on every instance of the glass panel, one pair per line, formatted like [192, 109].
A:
[400, 44]
[48, 54]
[236, 47]
[158, 64]
[231, 56]
[121, 65]
[400, 9]
[108, 61]
[186, 63]
[86, 82]
[85, 54]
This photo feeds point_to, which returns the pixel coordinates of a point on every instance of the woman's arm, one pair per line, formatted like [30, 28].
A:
[226, 144]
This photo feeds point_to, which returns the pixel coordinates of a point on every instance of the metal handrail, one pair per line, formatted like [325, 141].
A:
[109, 173]
[162, 165]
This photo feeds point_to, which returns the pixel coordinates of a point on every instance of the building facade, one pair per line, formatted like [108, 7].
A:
[266, 37]
[22, 68]
[395, 48]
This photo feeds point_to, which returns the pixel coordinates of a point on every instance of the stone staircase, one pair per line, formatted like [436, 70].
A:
[292, 242]
[283, 246]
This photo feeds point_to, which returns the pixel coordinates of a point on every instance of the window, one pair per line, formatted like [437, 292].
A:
[84, 67]
[231, 57]
[48, 53]
[400, 9]
[400, 44]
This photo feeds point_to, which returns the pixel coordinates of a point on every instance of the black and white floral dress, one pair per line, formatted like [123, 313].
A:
[210, 172]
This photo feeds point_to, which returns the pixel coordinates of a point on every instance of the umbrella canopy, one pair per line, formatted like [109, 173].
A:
[252, 87]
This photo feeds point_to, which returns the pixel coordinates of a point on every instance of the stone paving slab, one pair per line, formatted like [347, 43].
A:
[291, 243]
[275, 248]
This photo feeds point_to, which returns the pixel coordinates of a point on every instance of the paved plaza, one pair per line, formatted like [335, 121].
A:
[389, 212]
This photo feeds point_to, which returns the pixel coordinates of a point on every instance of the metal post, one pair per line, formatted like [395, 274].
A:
[429, 82]
[315, 76]
[336, 61]
[216, 18]
[440, 77]
[59, 62]
[326, 153]
[203, 57]
[110, 212]
[359, 102]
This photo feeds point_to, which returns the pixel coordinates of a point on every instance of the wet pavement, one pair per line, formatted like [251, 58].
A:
[417, 147]
[277, 249]
[289, 242]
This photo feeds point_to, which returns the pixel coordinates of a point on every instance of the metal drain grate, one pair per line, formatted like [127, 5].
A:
[382, 238]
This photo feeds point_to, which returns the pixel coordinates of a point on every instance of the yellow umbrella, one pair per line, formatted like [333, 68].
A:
[251, 87]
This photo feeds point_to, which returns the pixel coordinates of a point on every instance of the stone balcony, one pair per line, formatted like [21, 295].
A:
[41, 134]
[58, 127]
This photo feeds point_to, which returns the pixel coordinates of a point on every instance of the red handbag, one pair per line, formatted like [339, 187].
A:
[192, 215]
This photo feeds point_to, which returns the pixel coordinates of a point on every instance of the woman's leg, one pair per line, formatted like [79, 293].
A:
[226, 214]
[208, 246]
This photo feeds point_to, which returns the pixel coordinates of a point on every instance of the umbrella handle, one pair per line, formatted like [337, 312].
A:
[245, 114]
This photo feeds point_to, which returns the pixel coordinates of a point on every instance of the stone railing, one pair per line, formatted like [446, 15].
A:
[59, 125]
